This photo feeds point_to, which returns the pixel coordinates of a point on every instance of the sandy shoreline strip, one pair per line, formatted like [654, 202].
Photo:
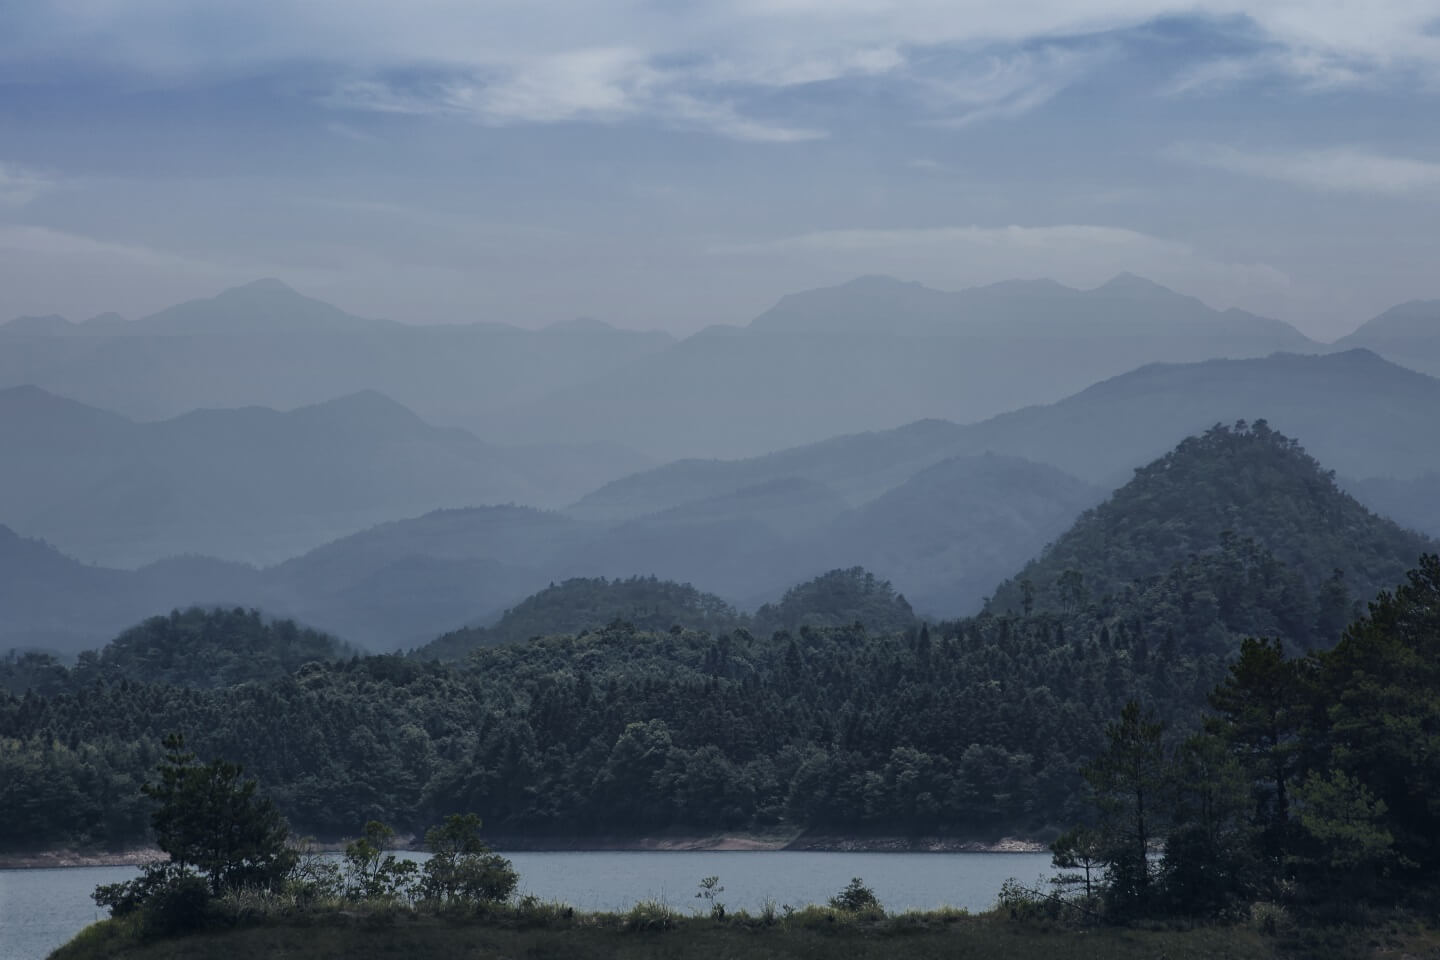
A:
[720, 842]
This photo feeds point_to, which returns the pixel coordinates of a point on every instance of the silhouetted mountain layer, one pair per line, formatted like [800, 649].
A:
[1039, 310]
[877, 352]
[264, 344]
[1408, 334]
[256, 484]
[1358, 413]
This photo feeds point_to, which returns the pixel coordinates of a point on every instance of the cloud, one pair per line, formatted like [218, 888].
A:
[1081, 255]
[1010, 84]
[700, 66]
[1336, 169]
[19, 186]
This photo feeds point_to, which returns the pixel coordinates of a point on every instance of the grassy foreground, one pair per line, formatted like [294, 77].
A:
[362, 934]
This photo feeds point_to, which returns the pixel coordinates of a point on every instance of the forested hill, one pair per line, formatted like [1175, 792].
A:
[194, 648]
[840, 598]
[1240, 483]
[586, 603]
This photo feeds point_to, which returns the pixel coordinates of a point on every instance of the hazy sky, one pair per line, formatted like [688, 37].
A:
[675, 164]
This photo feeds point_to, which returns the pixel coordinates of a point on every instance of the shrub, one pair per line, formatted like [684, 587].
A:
[710, 891]
[1271, 919]
[857, 898]
[649, 915]
[179, 906]
[462, 868]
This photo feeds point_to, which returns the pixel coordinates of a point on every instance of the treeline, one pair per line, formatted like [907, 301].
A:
[975, 727]
[837, 598]
[1311, 786]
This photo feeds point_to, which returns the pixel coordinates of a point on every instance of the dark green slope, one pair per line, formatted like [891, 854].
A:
[1241, 483]
[582, 604]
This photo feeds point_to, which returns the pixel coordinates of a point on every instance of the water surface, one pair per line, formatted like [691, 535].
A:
[41, 909]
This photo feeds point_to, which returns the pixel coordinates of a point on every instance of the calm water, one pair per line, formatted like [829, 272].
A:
[41, 909]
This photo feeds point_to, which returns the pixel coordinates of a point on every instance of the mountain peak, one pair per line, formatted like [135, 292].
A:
[265, 306]
[1412, 320]
[1231, 484]
[265, 285]
[1127, 284]
[50, 325]
[580, 325]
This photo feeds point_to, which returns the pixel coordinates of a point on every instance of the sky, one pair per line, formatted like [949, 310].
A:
[670, 165]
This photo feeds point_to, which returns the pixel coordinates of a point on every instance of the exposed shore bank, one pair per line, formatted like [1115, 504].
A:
[816, 843]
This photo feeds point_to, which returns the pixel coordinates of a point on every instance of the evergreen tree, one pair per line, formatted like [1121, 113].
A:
[211, 820]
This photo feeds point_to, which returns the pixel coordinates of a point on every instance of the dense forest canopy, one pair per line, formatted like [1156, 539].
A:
[1244, 482]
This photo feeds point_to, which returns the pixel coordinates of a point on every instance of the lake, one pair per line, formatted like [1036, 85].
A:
[41, 909]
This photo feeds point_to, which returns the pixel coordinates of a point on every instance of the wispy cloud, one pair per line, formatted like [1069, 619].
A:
[595, 85]
[1337, 169]
[1007, 84]
[19, 186]
[566, 60]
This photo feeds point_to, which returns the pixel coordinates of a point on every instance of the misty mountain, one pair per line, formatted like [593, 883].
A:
[1244, 484]
[50, 325]
[256, 484]
[1408, 334]
[945, 534]
[1125, 306]
[264, 344]
[877, 352]
[1360, 414]
[263, 306]
[1413, 502]
[394, 586]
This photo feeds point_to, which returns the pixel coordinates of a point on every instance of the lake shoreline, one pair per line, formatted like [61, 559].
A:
[662, 843]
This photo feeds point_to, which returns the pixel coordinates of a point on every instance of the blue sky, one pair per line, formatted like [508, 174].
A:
[672, 165]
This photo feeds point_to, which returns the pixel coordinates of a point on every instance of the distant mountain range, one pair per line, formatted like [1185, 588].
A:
[1408, 334]
[878, 352]
[255, 484]
[865, 355]
[1038, 310]
[264, 344]
[1359, 414]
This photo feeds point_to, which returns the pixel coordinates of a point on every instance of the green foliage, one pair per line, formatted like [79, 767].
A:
[1347, 824]
[372, 873]
[579, 604]
[836, 599]
[710, 890]
[857, 898]
[208, 818]
[1312, 786]
[461, 867]
[1081, 848]
[650, 916]
[210, 648]
[1245, 484]
[1129, 779]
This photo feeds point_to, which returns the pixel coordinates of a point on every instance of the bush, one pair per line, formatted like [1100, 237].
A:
[1271, 919]
[857, 898]
[462, 868]
[650, 915]
[180, 906]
